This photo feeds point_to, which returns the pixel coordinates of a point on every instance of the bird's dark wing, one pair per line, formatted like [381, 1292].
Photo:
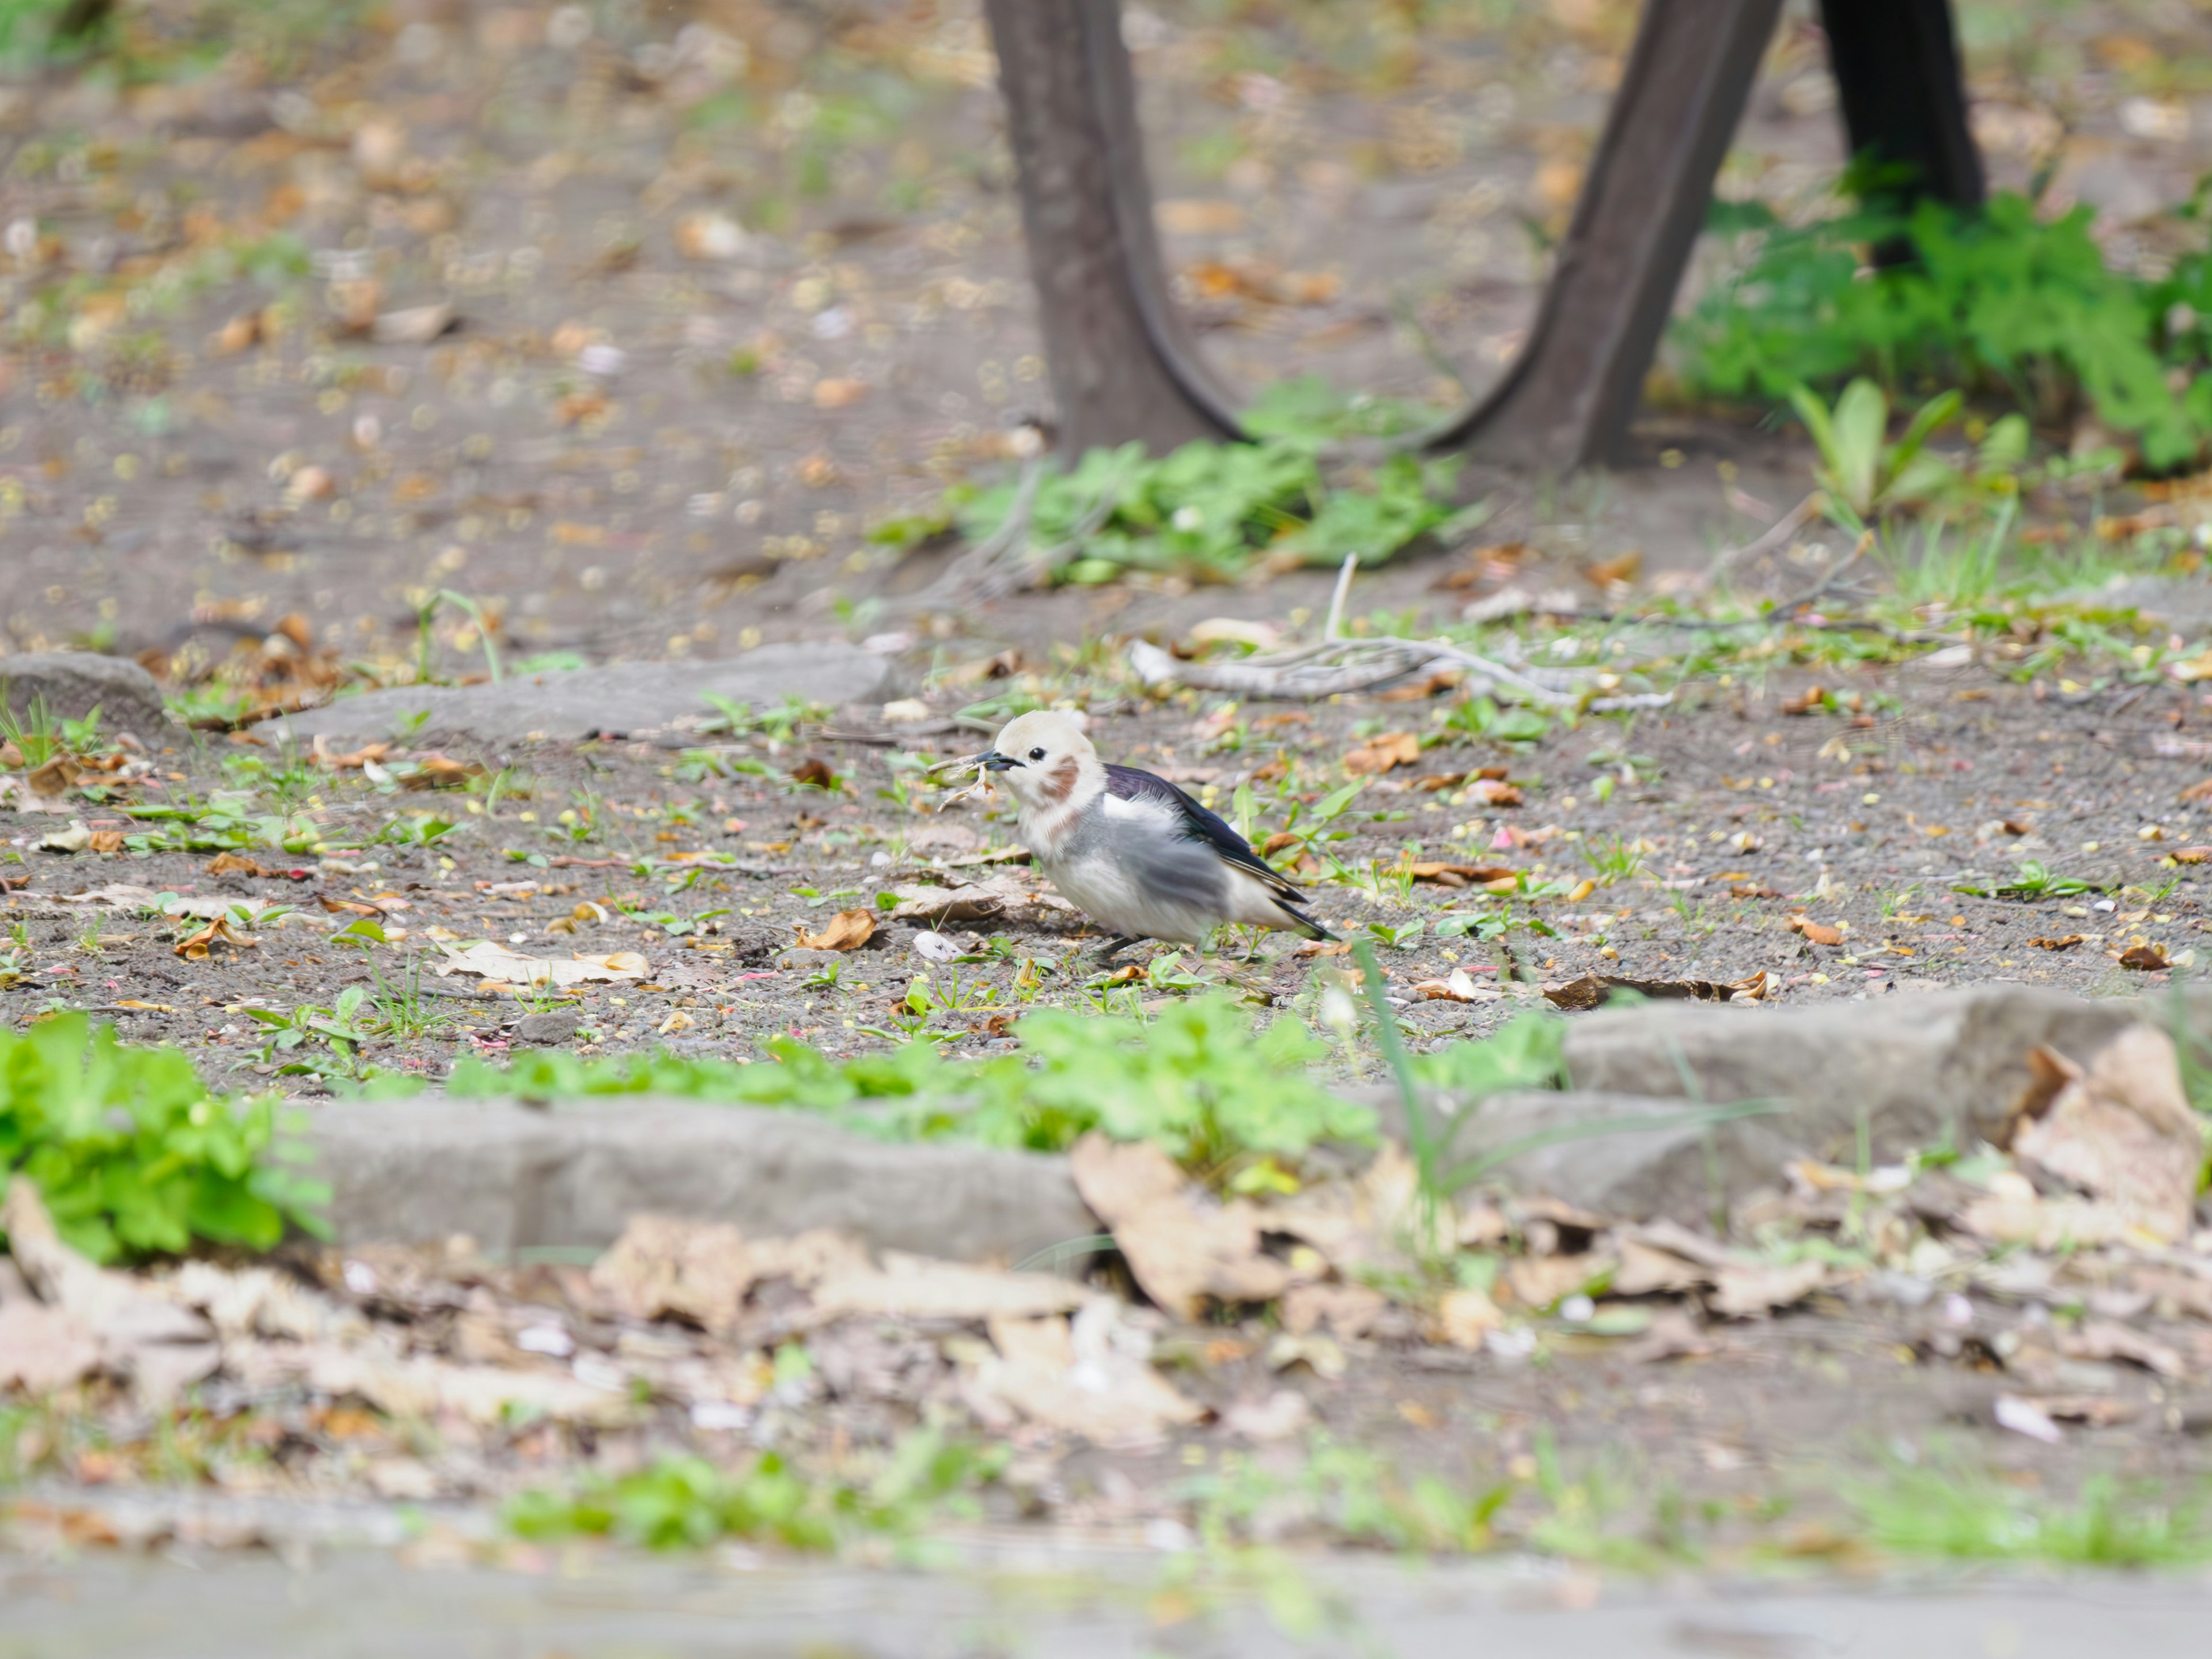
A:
[1197, 825]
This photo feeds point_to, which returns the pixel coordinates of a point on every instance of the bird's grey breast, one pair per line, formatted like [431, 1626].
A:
[1147, 849]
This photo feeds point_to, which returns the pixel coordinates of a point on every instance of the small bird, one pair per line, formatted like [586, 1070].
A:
[1132, 850]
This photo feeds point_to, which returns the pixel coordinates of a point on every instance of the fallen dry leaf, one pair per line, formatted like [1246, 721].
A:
[159, 1348]
[693, 1270]
[848, 930]
[57, 777]
[1350, 1310]
[1595, 990]
[2065, 942]
[105, 841]
[1462, 875]
[499, 965]
[1465, 1318]
[1805, 702]
[1818, 932]
[814, 770]
[1748, 1290]
[352, 761]
[1457, 988]
[1093, 1377]
[708, 235]
[1621, 567]
[1180, 1245]
[2121, 1130]
[1540, 1281]
[17, 795]
[413, 325]
[2106, 1339]
[436, 771]
[1380, 754]
[2145, 958]
[1491, 793]
[419, 1388]
[973, 900]
[195, 946]
[916, 1287]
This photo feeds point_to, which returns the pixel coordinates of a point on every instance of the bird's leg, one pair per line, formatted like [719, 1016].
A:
[1114, 946]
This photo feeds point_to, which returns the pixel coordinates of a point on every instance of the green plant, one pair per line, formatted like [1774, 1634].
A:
[337, 1029]
[1197, 1080]
[1212, 509]
[1527, 1054]
[679, 1502]
[1614, 860]
[1968, 1514]
[36, 734]
[1481, 717]
[35, 30]
[1998, 301]
[403, 1012]
[2032, 881]
[1861, 471]
[1307, 828]
[133, 1154]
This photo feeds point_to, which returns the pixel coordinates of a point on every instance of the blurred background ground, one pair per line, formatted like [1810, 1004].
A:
[727, 285]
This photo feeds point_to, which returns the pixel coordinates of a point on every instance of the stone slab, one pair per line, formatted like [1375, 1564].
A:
[1917, 1070]
[509, 1175]
[2182, 603]
[74, 682]
[1031, 1592]
[661, 700]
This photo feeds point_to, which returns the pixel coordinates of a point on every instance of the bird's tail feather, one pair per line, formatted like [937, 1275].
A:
[1304, 923]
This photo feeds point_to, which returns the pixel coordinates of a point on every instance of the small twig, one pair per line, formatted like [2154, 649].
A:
[1834, 574]
[1777, 535]
[1337, 598]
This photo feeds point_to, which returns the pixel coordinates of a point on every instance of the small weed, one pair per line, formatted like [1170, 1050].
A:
[1970, 1514]
[2031, 882]
[1614, 860]
[132, 1153]
[2001, 299]
[688, 1503]
[1862, 472]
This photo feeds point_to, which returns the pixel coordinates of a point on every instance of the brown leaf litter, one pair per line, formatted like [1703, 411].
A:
[2111, 1151]
[848, 930]
[72, 1318]
[1595, 990]
[1182, 1246]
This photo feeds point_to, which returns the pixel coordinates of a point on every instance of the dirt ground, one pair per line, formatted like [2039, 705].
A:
[712, 323]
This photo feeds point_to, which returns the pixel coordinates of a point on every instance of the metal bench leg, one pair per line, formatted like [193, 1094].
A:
[1896, 63]
[1567, 401]
[1121, 366]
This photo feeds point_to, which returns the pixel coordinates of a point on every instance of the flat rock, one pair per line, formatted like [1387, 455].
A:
[2179, 602]
[415, 1170]
[72, 684]
[657, 700]
[548, 1030]
[1689, 1106]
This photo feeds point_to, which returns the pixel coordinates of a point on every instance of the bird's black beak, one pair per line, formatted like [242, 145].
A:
[991, 761]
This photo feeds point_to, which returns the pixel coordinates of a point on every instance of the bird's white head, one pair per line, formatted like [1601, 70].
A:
[1049, 768]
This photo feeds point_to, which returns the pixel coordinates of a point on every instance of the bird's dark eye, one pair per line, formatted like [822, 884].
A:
[1036, 754]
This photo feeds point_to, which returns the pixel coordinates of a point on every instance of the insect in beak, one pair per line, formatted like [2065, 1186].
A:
[991, 761]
